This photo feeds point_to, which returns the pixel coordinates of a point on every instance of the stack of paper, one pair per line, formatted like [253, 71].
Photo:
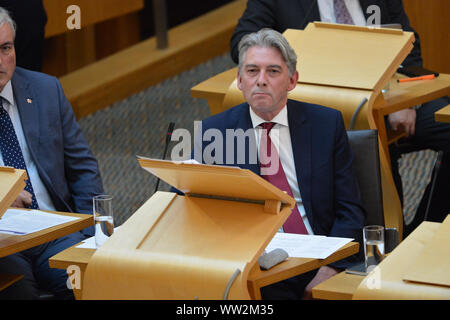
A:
[20, 222]
[306, 246]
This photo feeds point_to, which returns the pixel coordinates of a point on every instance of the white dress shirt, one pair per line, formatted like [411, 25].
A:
[280, 132]
[326, 9]
[42, 196]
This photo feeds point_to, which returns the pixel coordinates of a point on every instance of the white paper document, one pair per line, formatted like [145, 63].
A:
[20, 222]
[306, 246]
[89, 243]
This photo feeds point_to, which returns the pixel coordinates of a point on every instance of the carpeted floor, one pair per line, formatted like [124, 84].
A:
[138, 125]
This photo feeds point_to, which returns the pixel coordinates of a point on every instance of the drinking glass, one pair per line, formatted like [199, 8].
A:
[373, 245]
[103, 218]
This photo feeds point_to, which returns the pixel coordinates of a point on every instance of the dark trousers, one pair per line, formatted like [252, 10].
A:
[38, 276]
[429, 135]
[289, 289]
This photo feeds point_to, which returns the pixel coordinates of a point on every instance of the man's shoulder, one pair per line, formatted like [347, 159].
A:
[37, 78]
[311, 109]
[226, 118]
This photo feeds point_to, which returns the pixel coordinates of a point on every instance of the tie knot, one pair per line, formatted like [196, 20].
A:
[268, 126]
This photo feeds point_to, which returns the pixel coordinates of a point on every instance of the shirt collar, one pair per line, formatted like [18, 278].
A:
[7, 93]
[281, 118]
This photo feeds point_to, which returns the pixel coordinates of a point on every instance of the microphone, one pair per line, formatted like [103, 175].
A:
[168, 137]
[308, 13]
[437, 166]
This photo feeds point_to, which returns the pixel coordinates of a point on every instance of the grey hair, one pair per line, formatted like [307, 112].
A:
[6, 17]
[268, 38]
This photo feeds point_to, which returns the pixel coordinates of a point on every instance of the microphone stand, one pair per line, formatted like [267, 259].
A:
[168, 136]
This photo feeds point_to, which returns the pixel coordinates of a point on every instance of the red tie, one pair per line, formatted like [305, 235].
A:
[268, 156]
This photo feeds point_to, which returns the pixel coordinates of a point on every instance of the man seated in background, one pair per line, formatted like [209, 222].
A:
[422, 131]
[312, 160]
[39, 133]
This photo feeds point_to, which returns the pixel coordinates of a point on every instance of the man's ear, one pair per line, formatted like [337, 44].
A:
[293, 81]
[238, 80]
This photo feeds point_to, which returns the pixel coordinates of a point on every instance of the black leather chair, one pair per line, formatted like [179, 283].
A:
[366, 163]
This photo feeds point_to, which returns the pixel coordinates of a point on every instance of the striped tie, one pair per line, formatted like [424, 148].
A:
[341, 12]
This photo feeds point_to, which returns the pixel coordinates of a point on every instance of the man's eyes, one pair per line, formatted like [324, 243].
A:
[269, 71]
[6, 48]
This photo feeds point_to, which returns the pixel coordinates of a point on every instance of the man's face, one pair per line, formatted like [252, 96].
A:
[7, 54]
[265, 82]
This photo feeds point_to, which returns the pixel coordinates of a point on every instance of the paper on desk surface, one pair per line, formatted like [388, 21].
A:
[306, 246]
[20, 222]
[89, 243]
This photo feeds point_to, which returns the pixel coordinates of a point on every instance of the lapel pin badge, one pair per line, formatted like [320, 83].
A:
[29, 100]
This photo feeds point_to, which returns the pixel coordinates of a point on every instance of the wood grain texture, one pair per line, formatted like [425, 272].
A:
[8, 279]
[12, 182]
[136, 68]
[443, 115]
[91, 12]
[386, 281]
[10, 244]
[430, 20]
[188, 247]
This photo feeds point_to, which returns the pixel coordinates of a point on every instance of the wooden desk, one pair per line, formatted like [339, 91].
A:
[443, 115]
[406, 95]
[8, 279]
[214, 90]
[388, 282]
[69, 50]
[73, 256]
[10, 244]
[340, 287]
[292, 267]
[257, 278]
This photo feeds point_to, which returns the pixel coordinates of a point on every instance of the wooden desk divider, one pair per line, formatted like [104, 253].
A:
[198, 246]
[12, 182]
[345, 67]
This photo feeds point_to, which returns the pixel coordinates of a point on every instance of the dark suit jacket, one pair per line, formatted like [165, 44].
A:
[293, 14]
[62, 156]
[323, 162]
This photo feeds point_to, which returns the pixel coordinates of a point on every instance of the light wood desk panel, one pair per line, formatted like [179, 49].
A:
[443, 115]
[257, 277]
[340, 287]
[388, 280]
[292, 267]
[10, 244]
[8, 279]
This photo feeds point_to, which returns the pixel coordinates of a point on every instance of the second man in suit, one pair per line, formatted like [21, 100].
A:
[422, 131]
[310, 150]
[39, 133]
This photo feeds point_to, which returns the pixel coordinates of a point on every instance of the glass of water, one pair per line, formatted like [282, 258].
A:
[103, 218]
[373, 245]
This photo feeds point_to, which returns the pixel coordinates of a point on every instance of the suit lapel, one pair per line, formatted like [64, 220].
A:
[28, 111]
[300, 130]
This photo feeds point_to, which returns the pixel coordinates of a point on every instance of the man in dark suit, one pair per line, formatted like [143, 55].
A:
[422, 132]
[39, 133]
[311, 141]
